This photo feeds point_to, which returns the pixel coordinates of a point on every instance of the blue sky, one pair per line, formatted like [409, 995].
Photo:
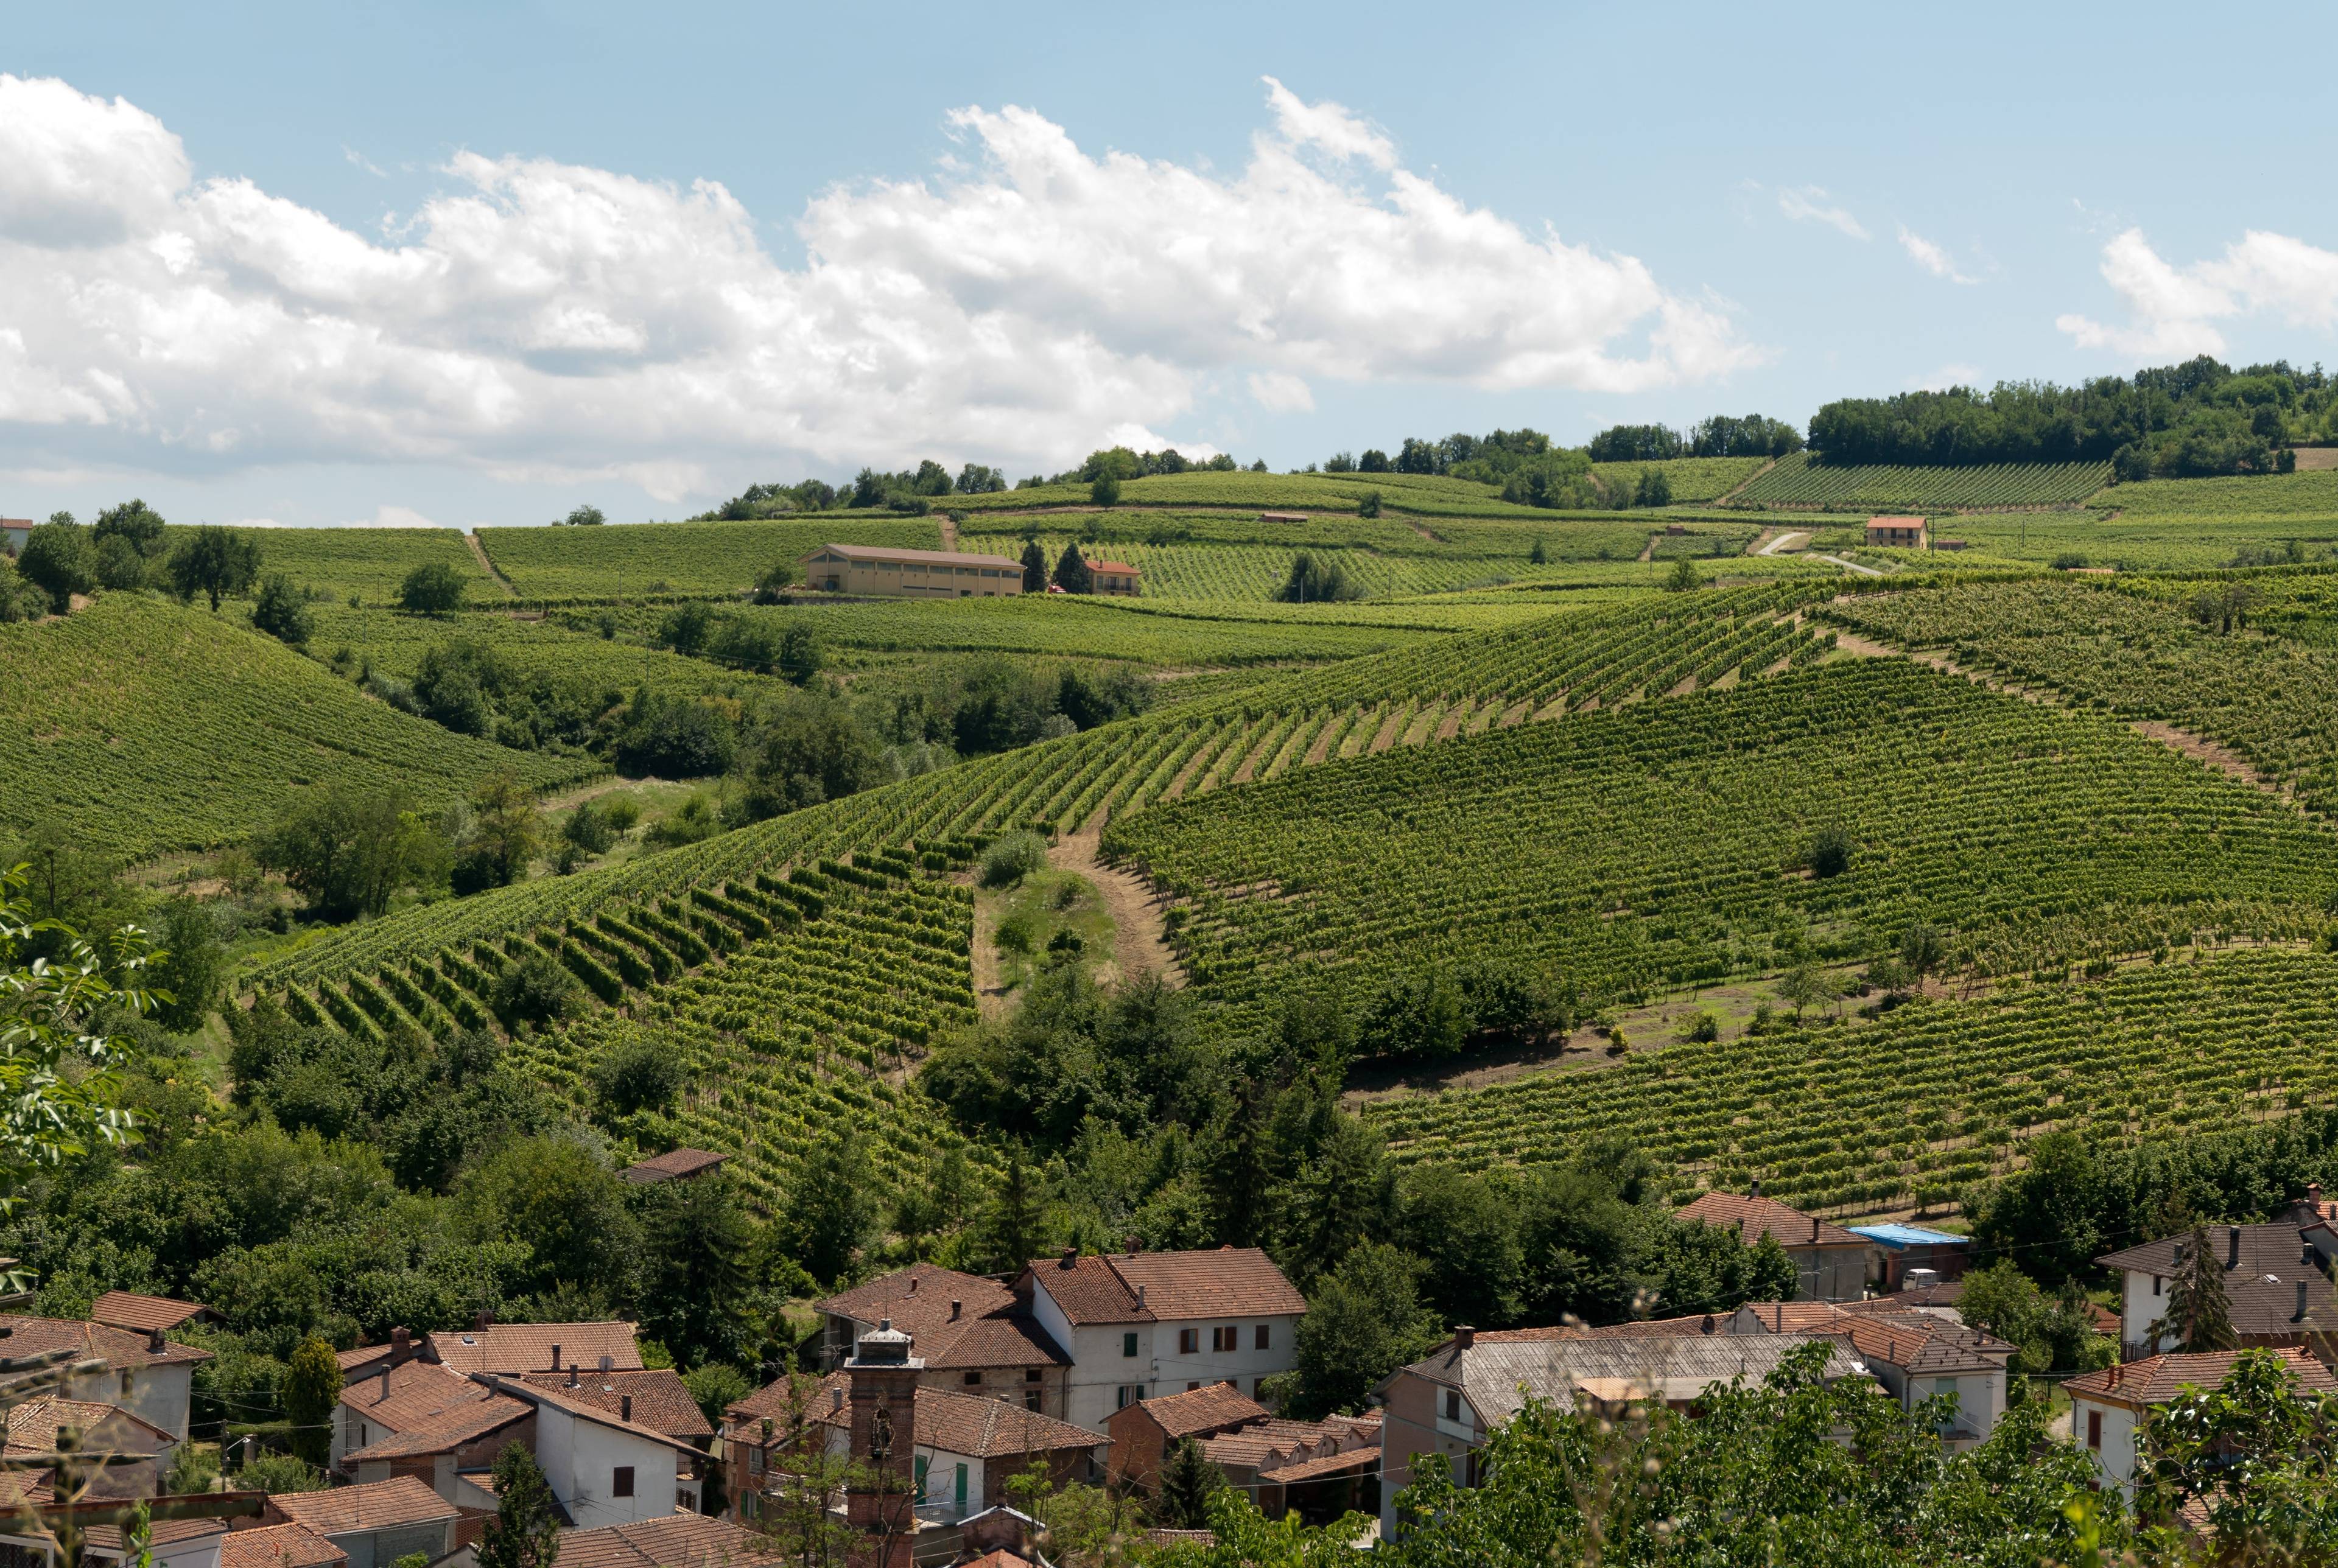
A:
[472, 265]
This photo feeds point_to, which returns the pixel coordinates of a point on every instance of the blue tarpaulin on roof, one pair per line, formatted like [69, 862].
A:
[1896, 1236]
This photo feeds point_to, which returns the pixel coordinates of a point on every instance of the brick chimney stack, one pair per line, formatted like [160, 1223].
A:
[402, 1347]
[880, 1508]
[2233, 1251]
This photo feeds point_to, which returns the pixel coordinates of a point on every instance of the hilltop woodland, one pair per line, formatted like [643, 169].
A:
[1461, 853]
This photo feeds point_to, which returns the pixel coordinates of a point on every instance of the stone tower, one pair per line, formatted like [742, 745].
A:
[880, 1504]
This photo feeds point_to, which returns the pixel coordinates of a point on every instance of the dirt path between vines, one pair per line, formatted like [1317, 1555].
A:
[2200, 748]
[479, 554]
[950, 532]
[1787, 539]
[1139, 944]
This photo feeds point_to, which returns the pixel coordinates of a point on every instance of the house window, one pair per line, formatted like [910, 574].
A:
[621, 1480]
[2155, 1284]
[755, 1461]
[1453, 1405]
[974, 1379]
[1192, 1384]
[1030, 1398]
[1188, 1341]
[1128, 1344]
[1227, 1339]
[1265, 1336]
[1030, 1374]
[1130, 1393]
[2095, 1429]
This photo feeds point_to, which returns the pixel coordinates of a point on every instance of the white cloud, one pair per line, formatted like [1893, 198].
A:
[551, 322]
[1278, 393]
[1955, 374]
[1931, 257]
[1809, 204]
[2174, 309]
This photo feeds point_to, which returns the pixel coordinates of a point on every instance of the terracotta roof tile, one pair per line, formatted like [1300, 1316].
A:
[285, 1545]
[678, 1541]
[32, 1427]
[1767, 1216]
[936, 557]
[1920, 1342]
[1339, 1462]
[389, 1504]
[142, 1314]
[119, 1348]
[516, 1347]
[1228, 1282]
[661, 1401]
[917, 1300]
[411, 1395]
[1270, 1443]
[1216, 1409]
[2265, 1249]
[1006, 1337]
[2157, 1379]
[778, 1397]
[445, 1432]
[586, 1406]
[1088, 1290]
[970, 1425]
[672, 1165]
[1001, 1558]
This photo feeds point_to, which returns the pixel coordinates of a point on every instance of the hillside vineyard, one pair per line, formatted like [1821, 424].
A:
[1423, 892]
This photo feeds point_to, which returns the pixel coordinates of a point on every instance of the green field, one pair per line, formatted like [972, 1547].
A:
[640, 559]
[369, 563]
[152, 728]
[1658, 847]
[2306, 497]
[1799, 481]
[1930, 1099]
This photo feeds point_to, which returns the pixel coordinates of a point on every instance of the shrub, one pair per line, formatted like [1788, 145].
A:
[1015, 933]
[433, 589]
[1013, 857]
[637, 1075]
[621, 812]
[536, 989]
[588, 828]
[1369, 506]
[281, 612]
[1105, 491]
[1831, 850]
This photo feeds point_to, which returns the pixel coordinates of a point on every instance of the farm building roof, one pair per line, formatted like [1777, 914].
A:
[143, 1314]
[515, 1348]
[676, 1541]
[286, 1545]
[1756, 1217]
[661, 1401]
[674, 1165]
[1896, 1236]
[939, 557]
[1497, 1378]
[1212, 1409]
[372, 1505]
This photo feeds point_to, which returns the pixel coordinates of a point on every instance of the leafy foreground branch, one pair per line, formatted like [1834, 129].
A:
[1798, 1470]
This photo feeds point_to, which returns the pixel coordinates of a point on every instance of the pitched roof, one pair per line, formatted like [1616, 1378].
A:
[429, 1409]
[1338, 1462]
[672, 1165]
[402, 1500]
[971, 1425]
[1226, 1282]
[33, 1426]
[1497, 1378]
[1088, 1290]
[119, 1348]
[1947, 1293]
[142, 1314]
[2263, 1291]
[515, 1348]
[2157, 1379]
[774, 1399]
[937, 557]
[661, 1401]
[990, 1326]
[673, 1540]
[1272, 1443]
[1754, 1218]
[576, 1402]
[1215, 1408]
[287, 1545]
[444, 1433]
[1114, 567]
[1917, 1341]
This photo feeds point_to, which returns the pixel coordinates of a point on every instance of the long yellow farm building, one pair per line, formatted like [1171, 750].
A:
[911, 573]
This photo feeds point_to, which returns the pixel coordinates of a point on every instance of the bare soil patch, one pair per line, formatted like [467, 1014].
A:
[479, 554]
[1140, 945]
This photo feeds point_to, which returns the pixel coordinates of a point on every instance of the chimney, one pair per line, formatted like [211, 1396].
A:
[2314, 1195]
[913, 1284]
[572, 1374]
[2233, 1247]
[836, 1397]
[1707, 1327]
[1071, 1256]
[402, 1347]
[1140, 1295]
[956, 1308]
[555, 1357]
[1815, 1229]
[608, 1362]
[624, 1407]
[2299, 1317]
[1464, 1336]
[385, 1375]
[1135, 1245]
[1753, 1188]
[482, 1321]
[155, 1343]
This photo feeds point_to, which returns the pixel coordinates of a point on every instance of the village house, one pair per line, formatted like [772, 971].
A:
[1831, 1261]
[882, 573]
[144, 1373]
[1116, 577]
[1898, 533]
[1143, 1433]
[604, 1466]
[127, 1310]
[1138, 1324]
[1914, 1355]
[1308, 1466]
[139, 1452]
[673, 1165]
[2107, 1406]
[2274, 1280]
[1450, 1401]
[284, 1545]
[373, 1525]
[13, 532]
[677, 1541]
[974, 1337]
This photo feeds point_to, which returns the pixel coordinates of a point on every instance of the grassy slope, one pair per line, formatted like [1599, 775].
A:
[151, 727]
[630, 560]
[369, 563]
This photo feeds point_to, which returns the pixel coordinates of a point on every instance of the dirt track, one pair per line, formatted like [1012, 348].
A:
[1139, 945]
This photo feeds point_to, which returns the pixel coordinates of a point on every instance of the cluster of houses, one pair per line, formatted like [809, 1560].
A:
[936, 1388]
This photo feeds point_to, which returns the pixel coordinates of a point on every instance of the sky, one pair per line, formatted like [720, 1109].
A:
[475, 265]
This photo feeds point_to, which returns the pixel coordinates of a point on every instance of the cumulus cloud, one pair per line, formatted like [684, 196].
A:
[2172, 309]
[548, 321]
[1809, 204]
[1930, 256]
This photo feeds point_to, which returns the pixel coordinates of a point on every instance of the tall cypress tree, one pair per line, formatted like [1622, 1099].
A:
[1072, 573]
[1035, 567]
[525, 1531]
[2199, 1315]
[1187, 1480]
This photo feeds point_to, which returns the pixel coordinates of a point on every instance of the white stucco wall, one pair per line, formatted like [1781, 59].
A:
[1101, 1367]
[580, 1459]
[155, 1393]
[2140, 1306]
[2116, 1457]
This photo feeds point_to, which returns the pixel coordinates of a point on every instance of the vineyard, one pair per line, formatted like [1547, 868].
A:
[2303, 497]
[152, 727]
[651, 559]
[369, 563]
[571, 651]
[1797, 481]
[786, 1000]
[1660, 846]
[2271, 699]
[1913, 1108]
[1463, 684]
